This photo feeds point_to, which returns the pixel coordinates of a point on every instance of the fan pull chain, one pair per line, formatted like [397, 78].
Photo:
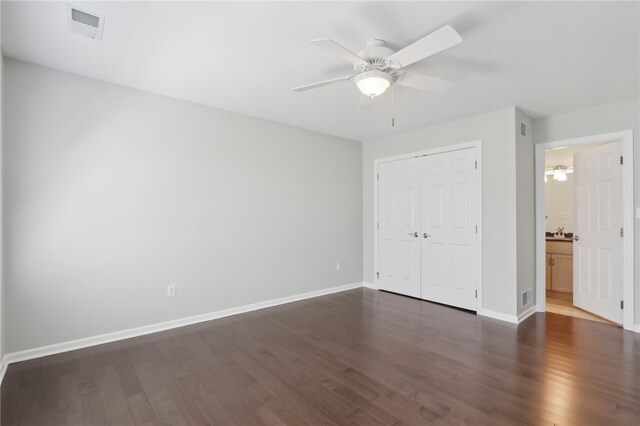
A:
[393, 119]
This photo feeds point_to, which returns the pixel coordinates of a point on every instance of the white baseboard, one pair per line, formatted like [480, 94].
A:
[167, 325]
[498, 315]
[526, 314]
[513, 319]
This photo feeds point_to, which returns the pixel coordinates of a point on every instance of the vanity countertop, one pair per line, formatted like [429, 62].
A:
[566, 239]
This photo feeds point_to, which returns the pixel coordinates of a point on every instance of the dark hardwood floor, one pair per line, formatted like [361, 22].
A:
[358, 357]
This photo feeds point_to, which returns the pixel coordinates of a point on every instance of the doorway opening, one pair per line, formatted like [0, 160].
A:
[584, 263]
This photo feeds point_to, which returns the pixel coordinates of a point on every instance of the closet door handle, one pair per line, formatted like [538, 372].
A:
[425, 235]
[413, 234]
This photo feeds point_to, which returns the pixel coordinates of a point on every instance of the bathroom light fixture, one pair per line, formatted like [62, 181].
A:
[373, 83]
[560, 173]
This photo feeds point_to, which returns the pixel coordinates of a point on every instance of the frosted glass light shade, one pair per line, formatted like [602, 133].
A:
[373, 83]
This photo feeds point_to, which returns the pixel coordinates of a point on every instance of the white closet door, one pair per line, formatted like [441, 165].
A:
[448, 235]
[398, 218]
[597, 251]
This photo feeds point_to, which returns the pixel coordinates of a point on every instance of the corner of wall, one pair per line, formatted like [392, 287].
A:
[525, 211]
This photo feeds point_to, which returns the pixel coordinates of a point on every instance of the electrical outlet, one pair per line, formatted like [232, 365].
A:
[337, 266]
[171, 290]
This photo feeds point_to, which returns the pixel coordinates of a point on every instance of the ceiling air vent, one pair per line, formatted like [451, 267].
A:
[85, 23]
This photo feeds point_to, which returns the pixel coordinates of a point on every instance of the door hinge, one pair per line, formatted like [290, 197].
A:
[476, 164]
[622, 232]
[377, 176]
[476, 229]
[621, 159]
[476, 294]
[622, 304]
[377, 274]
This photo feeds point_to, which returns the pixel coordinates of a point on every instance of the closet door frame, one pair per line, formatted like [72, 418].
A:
[477, 144]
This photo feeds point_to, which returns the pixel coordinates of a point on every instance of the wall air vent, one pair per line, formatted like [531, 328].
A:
[524, 130]
[85, 23]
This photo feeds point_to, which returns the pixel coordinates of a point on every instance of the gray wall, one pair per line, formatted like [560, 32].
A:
[112, 194]
[525, 210]
[2, 322]
[496, 130]
[593, 121]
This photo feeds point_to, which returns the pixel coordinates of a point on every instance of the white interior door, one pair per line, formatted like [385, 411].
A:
[449, 234]
[398, 219]
[597, 249]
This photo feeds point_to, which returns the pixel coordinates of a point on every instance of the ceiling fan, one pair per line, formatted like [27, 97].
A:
[377, 66]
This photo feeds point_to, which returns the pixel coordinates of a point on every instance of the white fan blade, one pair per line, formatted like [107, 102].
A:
[435, 42]
[366, 102]
[337, 49]
[323, 83]
[425, 82]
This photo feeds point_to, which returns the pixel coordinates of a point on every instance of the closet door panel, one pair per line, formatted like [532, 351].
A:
[399, 222]
[448, 211]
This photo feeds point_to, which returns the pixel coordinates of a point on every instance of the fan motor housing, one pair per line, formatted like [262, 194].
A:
[376, 53]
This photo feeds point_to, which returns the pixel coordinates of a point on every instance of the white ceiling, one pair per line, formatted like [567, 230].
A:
[544, 57]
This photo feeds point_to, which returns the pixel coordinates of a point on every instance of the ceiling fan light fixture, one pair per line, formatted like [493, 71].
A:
[373, 83]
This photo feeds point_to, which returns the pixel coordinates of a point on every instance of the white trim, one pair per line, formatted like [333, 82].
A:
[370, 285]
[628, 258]
[449, 148]
[3, 368]
[167, 325]
[513, 319]
[431, 151]
[498, 315]
[479, 243]
[526, 314]
[376, 181]
[626, 137]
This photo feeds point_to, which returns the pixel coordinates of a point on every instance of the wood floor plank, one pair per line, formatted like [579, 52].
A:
[141, 410]
[187, 405]
[93, 408]
[129, 380]
[215, 414]
[359, 357]
[70, 410]
[280, 413]
[295, 400]
[163, 404]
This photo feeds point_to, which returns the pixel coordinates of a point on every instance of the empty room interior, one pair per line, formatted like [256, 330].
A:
[320, 213]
